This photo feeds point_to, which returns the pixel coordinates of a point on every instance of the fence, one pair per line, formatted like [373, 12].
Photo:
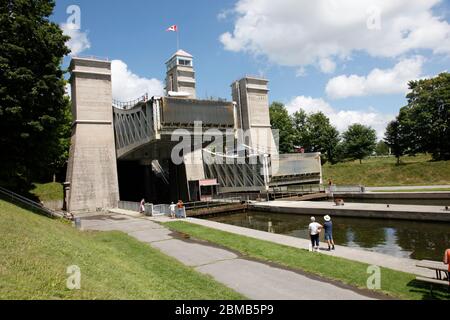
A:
[211, 203]
[150, 209]
[129, 205]
[346, 189]
[21, 200]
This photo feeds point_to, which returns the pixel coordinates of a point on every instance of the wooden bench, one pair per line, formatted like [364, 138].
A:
[439, 268]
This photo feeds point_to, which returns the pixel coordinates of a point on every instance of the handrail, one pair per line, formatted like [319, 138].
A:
[30, 203]
[129, 104]
[210, 203]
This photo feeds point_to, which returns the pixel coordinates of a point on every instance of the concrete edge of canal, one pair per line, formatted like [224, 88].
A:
[357, 210]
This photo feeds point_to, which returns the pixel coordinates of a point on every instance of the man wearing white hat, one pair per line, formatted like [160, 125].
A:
[328, 226]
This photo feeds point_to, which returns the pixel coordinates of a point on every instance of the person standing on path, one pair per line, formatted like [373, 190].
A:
[328, 226]
[142, 206]
[180, 206]
[447, 261]
[314, 232]
[172, 207]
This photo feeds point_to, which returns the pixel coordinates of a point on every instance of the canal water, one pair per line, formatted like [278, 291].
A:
[407, 239]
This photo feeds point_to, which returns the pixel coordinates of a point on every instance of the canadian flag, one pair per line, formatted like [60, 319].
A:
[173, 28]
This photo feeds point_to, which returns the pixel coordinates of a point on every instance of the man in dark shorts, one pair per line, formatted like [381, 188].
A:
[328, 226]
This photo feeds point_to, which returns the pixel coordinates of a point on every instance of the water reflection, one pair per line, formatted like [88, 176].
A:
[417, 240]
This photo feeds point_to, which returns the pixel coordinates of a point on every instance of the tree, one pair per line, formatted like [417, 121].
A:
[301, 134]
[33, 109]
[281, 121]
[426, 118]
[382, 149]
[359, 141]
[315, 133]
[394, 139]
[322, 136]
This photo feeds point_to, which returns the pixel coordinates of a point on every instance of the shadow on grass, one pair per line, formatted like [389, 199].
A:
[430, 291]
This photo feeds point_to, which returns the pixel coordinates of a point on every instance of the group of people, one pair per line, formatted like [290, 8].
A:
[176, 210]
[316, 228]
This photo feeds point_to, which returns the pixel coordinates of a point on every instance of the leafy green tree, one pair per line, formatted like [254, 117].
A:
[382, 149]
[359, 141]
[394, 139]
[300, 126]
[323, 137]
[426, 118]
[33, 109]
[280, 120]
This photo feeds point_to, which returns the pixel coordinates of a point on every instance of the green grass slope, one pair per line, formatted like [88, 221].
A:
[417, 171]
[35, 252]
[48, 191]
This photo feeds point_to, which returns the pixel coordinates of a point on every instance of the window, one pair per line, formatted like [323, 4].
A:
[184, 62]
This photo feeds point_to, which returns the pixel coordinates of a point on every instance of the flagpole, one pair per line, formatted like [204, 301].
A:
[178, 39]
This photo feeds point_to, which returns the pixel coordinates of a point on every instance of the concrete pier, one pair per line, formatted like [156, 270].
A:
[91, 182]
[430, 195]
[358, 210]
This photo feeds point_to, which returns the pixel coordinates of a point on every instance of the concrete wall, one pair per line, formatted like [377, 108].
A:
[92, 169]
[343, 211]
[252, 97]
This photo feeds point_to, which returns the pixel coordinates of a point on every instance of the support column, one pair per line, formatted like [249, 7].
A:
[92, 168]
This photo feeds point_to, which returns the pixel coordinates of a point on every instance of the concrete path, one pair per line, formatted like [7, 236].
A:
[352, 209]
[255, 280]
[406, 188]
[369, 257]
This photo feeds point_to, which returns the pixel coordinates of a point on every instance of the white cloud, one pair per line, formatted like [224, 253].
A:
[327, 65]
[378, 81]
[78, 41]
[323, 32]
[342, 119]
[129, 86]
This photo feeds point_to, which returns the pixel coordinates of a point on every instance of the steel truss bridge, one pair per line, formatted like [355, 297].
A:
[143, 130]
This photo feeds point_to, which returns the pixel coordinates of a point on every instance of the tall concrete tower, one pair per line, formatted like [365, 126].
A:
[92, 183]
[251, 95]
[180, 76]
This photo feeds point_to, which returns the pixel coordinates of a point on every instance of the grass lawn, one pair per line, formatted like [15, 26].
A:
[374, 172]
[394, 283]
[48, 191]
[35, 252]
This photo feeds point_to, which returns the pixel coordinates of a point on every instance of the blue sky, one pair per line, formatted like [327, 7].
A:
[348, 58]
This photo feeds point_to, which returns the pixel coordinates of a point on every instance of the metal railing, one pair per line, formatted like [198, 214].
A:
[129, 205]
[21, 200]
[346, 189]
[129, 104]
[211, 203]
[151, 209]
[161, 209]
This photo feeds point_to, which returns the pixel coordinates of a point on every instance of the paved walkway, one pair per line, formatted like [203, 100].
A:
[255, 280]
[353, 206]
[406, 188]
[369, 257]
[353, 209]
